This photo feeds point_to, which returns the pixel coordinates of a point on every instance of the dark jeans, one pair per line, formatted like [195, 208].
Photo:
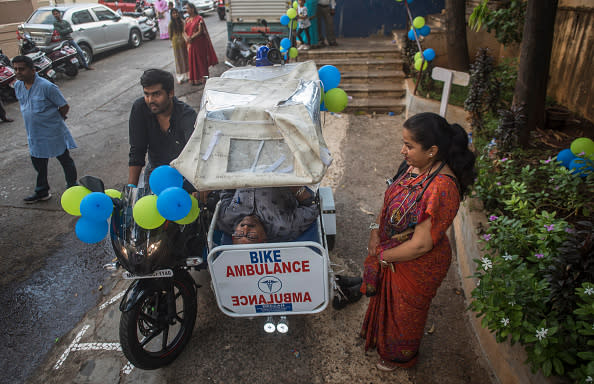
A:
[300, 31]
[83, 61]
[40, 165]
[324, 15]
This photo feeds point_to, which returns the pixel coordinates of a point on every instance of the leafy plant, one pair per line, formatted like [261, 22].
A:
[481, 85]
[507, 131]
[506, 22]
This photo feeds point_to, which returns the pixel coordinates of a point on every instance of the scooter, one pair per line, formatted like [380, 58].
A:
[221, 9]
[239, 54]
[7, 78]
[42, 63]
[64, 59]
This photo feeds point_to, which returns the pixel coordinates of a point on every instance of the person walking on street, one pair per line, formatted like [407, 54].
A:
[3, 117]
[201, 53]
[44, 110]
[180, 50]
[325, 12]
[159, 124]
[65, 30]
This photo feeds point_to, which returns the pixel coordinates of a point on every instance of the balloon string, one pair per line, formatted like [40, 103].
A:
[418, 45]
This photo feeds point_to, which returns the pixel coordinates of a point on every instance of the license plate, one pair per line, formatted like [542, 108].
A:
[74, 60]
[37, 39]
[155, 275]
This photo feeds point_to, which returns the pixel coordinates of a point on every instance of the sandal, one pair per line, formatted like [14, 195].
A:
[385, 366]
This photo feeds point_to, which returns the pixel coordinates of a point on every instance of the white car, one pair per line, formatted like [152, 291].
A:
[96, 28]
[204, 6]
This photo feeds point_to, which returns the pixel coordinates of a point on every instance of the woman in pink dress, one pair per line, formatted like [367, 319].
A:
[162, 10]
[201, 53]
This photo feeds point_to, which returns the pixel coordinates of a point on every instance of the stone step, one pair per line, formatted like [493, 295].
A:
[333, 54]
[386, 90]
[376, 104]
[362, 64]
[436, 21]
[372, 77]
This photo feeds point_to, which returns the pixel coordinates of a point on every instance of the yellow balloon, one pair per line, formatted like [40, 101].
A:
[418, 64]
[71, 199]
[295, 4]
[145, 213]
[292, 13]
[193, 215]
[419, 22]
[293, 52]
[113, 193]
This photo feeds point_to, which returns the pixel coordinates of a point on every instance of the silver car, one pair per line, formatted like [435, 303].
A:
[96, 28]
[204, 6]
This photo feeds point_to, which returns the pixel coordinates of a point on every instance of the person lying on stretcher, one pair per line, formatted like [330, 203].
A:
[259, 215]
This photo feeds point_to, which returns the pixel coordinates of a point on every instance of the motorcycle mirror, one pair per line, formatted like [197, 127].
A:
[92, 183]
[264, 22]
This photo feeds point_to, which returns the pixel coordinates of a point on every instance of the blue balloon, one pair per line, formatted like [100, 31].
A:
[409, 1]
[429, 54]
[323, 107]
[565, 157]
[285, 43]
[284, 20]
[330, 77]
[425, 30]
[96, 206]
[174, 203]
[411, 35]
[91, 231]
[164, 177]
[581, 167]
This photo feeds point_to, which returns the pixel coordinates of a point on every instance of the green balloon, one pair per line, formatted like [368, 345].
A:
[193, 215]
[295, 4]
[418, 56]
[71, 199]
[145, 213]
[292, 13]
[336, 100]
[583, 145]
[113, 193]
[418, 22]
[293, 52]
[322, 96]
[418, 64]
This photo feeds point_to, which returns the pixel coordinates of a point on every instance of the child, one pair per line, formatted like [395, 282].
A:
[304, 24]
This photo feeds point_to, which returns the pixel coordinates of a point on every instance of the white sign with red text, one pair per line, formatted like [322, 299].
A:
[270, 280]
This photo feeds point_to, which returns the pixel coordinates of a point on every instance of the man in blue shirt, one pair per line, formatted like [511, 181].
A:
[44, 110]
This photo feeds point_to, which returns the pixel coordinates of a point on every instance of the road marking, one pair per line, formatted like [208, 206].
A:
[112, 300]
[77, 346]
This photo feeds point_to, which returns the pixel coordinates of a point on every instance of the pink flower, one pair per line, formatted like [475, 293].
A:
[539, 255]
[569, 230]
[498, 183]
[550, 227]
[486, 237]
[493, 218]
[503, 160]
[548, 160]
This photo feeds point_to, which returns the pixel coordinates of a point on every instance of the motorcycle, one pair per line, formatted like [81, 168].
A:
[42, 63]
[64, 59]
[148, 25]
[7, 78]
[221, 9]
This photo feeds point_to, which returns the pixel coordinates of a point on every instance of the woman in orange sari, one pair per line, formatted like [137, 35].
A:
[408, 252]
[201, 53]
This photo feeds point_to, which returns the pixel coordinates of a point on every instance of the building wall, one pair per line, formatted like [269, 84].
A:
[571, 72]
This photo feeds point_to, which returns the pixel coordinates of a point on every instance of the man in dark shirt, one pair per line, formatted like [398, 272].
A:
[64, 29]
[159, 124]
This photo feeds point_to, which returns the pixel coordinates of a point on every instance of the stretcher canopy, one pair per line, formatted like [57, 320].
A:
[258, 127]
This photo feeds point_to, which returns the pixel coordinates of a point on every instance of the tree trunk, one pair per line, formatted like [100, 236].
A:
[456, 35]
[535, 58]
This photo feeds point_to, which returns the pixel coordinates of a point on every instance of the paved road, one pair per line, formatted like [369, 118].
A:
[62, 328]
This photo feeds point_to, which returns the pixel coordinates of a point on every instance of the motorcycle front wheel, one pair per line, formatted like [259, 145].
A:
[71, 70]
[152, 336]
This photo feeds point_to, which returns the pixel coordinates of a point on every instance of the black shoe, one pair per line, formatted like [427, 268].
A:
[37, 197]
[345, 296]
[322, 43]
[348, 281]
[333, 44]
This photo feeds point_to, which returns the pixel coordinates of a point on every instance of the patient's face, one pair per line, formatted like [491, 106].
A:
[249, 231]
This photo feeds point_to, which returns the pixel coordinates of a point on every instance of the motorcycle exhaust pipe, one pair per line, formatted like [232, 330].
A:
[227, 63]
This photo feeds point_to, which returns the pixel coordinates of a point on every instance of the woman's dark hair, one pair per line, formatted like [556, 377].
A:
[152, 77]
[190, 5]
[176, 23]
[430, 129]
[23, 59]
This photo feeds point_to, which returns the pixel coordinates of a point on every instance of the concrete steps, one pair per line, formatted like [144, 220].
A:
[371, 72]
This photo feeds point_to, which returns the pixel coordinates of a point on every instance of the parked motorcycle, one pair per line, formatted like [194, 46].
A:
[221, 9]
[42, 63]
[64, 59]
[159, 307]
[148, 25]
[7, 78]
[239, 54]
